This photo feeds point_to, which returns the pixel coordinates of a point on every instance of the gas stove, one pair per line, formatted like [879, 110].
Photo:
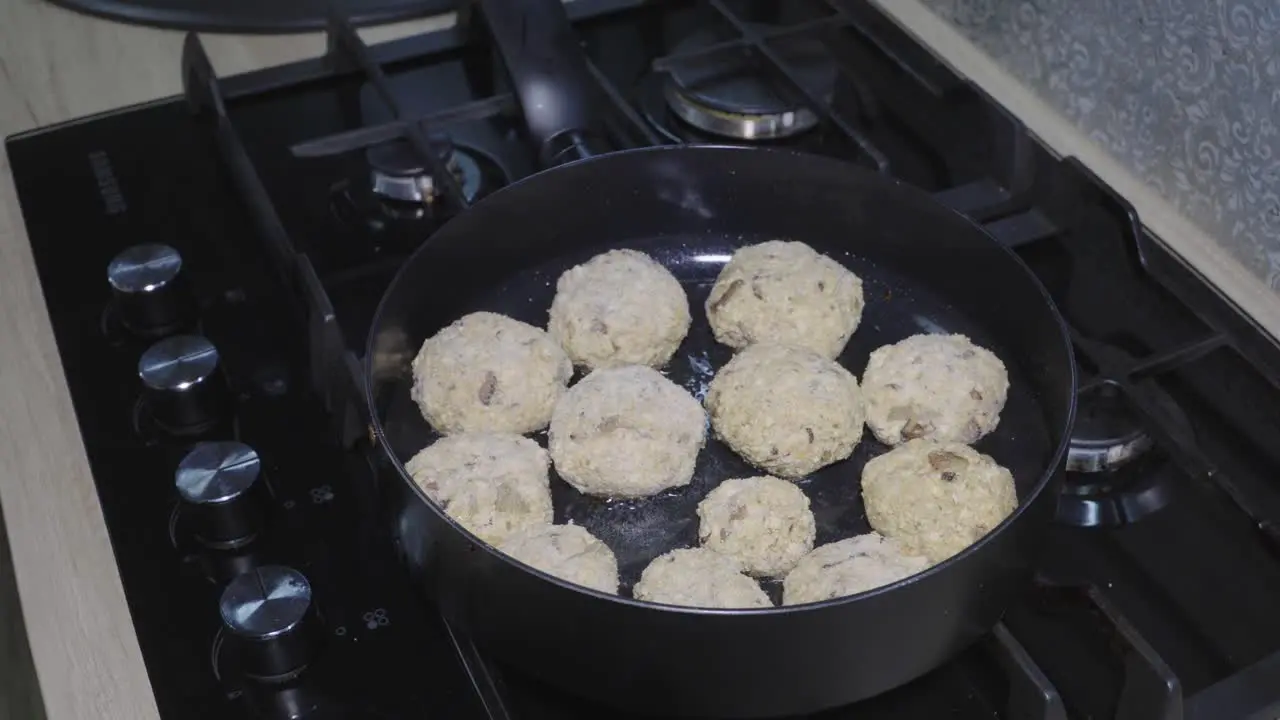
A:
[211, 265]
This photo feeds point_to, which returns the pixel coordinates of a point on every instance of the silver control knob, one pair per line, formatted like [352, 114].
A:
[146, 282]
[181, 383]
[269, 615]
[219, 483]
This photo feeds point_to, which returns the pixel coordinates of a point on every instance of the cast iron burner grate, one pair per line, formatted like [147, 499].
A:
[1000, 663]
[1132, 414]
[1120, 379]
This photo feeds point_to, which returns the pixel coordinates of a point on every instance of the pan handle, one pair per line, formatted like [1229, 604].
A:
[549, 72]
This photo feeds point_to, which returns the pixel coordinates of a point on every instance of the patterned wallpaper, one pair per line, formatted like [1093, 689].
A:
[1186, 93]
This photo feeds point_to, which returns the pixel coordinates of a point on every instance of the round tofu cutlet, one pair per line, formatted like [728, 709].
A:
[698, 577]
[785, 293]
[493, 484]
[785, 409]
[626, 432]
[762, 522]
[568, 552]
[936, 499]
[939, 387]
[619, 308]
[489, 373]
[848, 567]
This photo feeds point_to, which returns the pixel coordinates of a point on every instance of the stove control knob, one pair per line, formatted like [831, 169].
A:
[220, 485]
[269, 616]
[181, 383]
[146, 281]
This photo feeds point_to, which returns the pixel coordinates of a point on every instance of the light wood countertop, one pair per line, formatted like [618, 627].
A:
[55, 65]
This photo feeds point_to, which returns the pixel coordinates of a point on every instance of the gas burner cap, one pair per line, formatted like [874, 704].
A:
[728, 93]
[1107, 434]
[400, 175]
[1112, 499]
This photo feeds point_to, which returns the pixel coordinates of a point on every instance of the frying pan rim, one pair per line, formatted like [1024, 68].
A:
[1046, 475]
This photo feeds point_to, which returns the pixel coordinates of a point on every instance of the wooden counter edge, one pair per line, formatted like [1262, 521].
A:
[1196, 248]
[83, 645]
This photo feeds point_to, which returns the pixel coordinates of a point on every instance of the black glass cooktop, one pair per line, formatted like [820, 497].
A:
[287, 198]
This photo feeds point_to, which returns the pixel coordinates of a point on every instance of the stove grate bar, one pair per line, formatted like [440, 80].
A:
[623, 107]
[1171, 360]
[365, 137]
[1213, 308]
[1031, 695]
[987, 203]
[1150, 400]
[204, 94]
[979, 200]
[1151, 690]
[894, 43]
[1134, 378]
[344, 43]
[331, 369]
[1021, 229]
[757, 42]
[1208, 303]
[1247, 695]
[667, 63]
[1121, 365]
[331, 364]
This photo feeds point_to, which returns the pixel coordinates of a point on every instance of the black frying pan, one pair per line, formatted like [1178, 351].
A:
[924, 269]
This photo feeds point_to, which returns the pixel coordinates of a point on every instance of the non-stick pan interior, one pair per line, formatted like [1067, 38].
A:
[897, 306]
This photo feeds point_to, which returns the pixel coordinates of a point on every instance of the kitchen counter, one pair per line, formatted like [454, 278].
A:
[55, 65]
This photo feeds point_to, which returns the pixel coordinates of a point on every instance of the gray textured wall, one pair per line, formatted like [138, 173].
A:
[1186, 93]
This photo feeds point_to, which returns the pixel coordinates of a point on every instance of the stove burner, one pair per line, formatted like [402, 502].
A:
[1115, 474]
[1118, 497]
[400, 175]
[1106, 435]
[730, 94]
[651, 98]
